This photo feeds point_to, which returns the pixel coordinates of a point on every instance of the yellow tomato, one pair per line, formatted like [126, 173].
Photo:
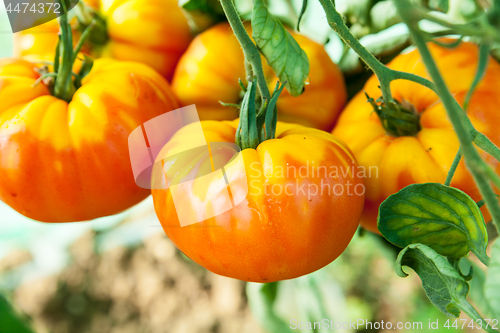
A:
[64, 162]
[302, 206]
[209, 71]
[393, 163]
[154, 32]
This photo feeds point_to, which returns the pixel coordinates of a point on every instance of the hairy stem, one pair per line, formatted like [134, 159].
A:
[477, 166]
[384, 74]
[474, 315]
[63, 85]
[250, 50]
[453, 168]
[336, 22]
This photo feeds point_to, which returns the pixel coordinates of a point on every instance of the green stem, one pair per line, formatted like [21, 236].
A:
[383, 73]
[336, 22]
[483, 142]
[43, 77]
[250, 50]
[469, 29]
[478, 167]
[63, 88]
[454, 166]
[87, 16]
[397, 75]
[450, 45]
[474, 315]
[484, 56]
[82, 40]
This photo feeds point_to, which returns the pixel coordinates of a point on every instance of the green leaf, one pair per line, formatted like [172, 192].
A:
[11, 321]
[261, 298]
[492, 284]
[282, 52]
[444, 286]
[477, 290]
[442, 217]
[202, 14]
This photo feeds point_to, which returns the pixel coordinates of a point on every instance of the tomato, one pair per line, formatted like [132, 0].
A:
[426, 156]
[63, 162]
[39, 42]
[154, 32]
[283, 227]
[209, 71]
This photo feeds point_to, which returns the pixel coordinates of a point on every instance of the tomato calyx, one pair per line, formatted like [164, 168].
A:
[87, 16]
[257, 126]
[398, 119]
[66, 82]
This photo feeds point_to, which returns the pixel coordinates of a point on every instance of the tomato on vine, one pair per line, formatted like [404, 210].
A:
[63, 135]
[419, 145]
[208, 74]
[153, 32]
[301, 211]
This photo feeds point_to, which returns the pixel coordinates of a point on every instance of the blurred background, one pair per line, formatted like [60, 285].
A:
[122, 274]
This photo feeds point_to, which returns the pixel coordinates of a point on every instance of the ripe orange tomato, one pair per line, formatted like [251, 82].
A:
[209, 71]
[426, 156]
[64, 162]
[154, 32]
[301, 210]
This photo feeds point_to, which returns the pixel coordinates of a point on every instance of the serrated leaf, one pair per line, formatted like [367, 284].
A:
[443, 285]
[492, 284]
[442, 217]
[288, 61]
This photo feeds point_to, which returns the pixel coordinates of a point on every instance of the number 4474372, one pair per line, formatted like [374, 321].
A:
[462, 323]
[39, 8]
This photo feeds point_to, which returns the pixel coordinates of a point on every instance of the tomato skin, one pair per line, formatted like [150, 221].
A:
[153, 32]
[427, 156]
[209, 71]
[63, 162]
[272, 236]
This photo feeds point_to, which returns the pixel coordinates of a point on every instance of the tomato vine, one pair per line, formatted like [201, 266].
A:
[64, 87]
[481, 171]
[437, 266]
[250, 50]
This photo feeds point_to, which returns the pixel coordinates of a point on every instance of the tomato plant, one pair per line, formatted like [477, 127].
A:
[419, 149]
[63, 142]
[155, 33]
[208, 74]
[265, 200]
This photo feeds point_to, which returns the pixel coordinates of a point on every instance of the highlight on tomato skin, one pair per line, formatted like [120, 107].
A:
[66, 162]
[153, 32]
[208, 74]
[427, 155]
[302, 207]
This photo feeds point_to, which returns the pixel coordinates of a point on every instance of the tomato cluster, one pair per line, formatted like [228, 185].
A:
[65, 160]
